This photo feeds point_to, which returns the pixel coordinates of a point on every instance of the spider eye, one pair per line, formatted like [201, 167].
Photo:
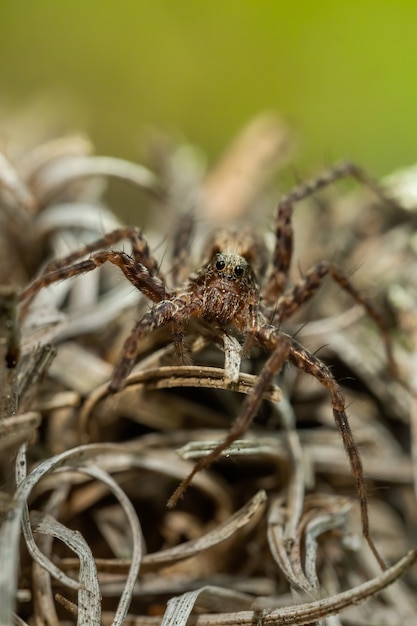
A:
[220, 264]
[239, 270]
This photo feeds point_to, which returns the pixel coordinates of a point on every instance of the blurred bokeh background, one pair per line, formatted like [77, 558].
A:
[342, 74]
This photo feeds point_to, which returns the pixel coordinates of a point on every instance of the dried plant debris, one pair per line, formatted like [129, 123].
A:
[271, 533]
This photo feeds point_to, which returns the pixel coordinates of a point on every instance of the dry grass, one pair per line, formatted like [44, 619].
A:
[272, 532]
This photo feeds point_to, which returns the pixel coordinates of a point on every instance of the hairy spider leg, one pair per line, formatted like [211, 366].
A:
[183, 234]
[305, 289]
[310, 364]
[176, 312]
[142, 270]
[281, 261]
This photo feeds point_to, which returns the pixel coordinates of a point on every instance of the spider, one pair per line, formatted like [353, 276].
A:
[233, 294]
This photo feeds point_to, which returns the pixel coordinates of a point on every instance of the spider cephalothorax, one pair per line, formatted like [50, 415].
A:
[227, 291]
[226, 294]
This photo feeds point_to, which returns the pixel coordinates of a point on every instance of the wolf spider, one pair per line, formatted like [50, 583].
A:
[225, 294]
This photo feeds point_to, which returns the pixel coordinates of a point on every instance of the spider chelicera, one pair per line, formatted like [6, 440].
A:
[228, 294]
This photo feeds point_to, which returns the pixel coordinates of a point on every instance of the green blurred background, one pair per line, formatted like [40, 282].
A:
[343, 74]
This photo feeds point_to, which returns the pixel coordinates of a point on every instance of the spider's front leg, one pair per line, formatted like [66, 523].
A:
[174, 312]
[271, 339]
[141, 268]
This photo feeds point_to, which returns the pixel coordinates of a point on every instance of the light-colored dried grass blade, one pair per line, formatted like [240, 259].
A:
[278, 546]
[326, 513]
[297, 558]
[270, 450]
[17, 429]
[137, 541]
[78, 215]
[89, 597]
[167, 463]
[215, 598]
[42, 155]
[79, 369]
[169, 377]
[9, 559]
[303, 614]
[220, 533]
[19, 194]
[232, 185]
[55, 178]
[9, 532]
[297, 484]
